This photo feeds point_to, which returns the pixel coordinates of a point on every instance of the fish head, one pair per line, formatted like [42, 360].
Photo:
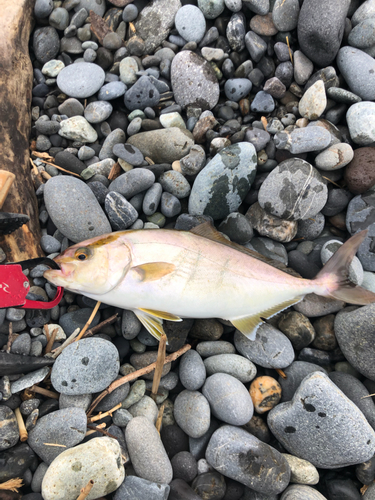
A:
[94, 266]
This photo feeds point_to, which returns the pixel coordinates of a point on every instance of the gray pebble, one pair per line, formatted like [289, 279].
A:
[270, 349]
[43, 8]
[358, 69]
[9, 432]
[36, 484]
[190, 23]
[192, 371]
[303, 140]
[285, 14]
[29, 379]
[192, 413]
[66, 427]
[241, 456]
[237, 88]
[59, 18]
[142, 94]
[361, 122]
[213, 348]
[145, 407]
[117, 136]
[137, 392]
[87, 366]
[46, 44]
[77, 401]
[141, 360]
[128, 153]
[147, 453]
[170, 205]
[263, 103]
[74, 209]
[50, 244]
[295, 373]
[152, 199]
[299, 492]
[257, 137]
[98, 111]
[231, 364]
[21, 344]
[81, 79]
[129, 13]
[121, 417]
[175, 183]
[133, 182]
[229, 399]
[71, 107]
[137, 488]
[76, 319]
[112, 90]
[256, 46]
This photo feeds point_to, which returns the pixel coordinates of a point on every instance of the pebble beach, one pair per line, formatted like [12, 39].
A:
[257, 116]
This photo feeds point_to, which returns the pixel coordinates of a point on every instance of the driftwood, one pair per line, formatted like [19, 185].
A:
[15, 102]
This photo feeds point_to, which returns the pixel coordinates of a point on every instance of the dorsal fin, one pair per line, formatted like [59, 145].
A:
[207, 230]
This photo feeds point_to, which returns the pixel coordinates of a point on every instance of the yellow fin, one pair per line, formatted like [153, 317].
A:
[153, 271]
[248, 325]
[152, 324]
[207, 230]
[161, 314]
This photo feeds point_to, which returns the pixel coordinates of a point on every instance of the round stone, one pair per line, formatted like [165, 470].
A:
[192, 413]
[87, 366]
[175, 183]
[72, 470]
[190, 23]
[193, 80]
[142, 94]
[111, 90]
[237, 88]
[294, 190]
[192, 371]
[285, 14]
[214, 192]
[361, 122]
[229, 399]
[133, 182]
[358, 70]
[211, 9]
[46, 44]
[263, 103]
[98, 111]
[129, 153]
[74, 209]
[231, 364]
[335, 157]
[81, 79]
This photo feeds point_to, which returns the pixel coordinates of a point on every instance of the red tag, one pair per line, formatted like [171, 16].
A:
[14, 286]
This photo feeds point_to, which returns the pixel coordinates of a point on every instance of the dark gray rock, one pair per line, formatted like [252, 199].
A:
[128, 153]
[270, 349]
[192, 413]
[209, 484]
[294, 190]
[142, 94]
[81, 79]
[237, 227]
[46, 44]
[65, 427]
[358, 70]
[21, 345]
[285, 14]
[184, 466]
[237, 88]
[263, 103]
[194, 82]
[77, 319]
[136, 488]
[229, 399]
[241, 456]
[256, 46]
[43, 8]
[15, 461]
[321, 28]
[235, 31]
[87, 366]
[74, 209]
[9, 432]
[146, 450]
[214, 192]
[322, 425]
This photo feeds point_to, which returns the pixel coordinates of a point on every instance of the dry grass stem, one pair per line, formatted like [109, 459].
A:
[159, 366]
[159, 419]
[264, 122]
[149, 161]
[98, 327]
[21, 425]
[281, 373]
[115, 172]
[12, 484]
[86, 490]
[290, 52]
[97, 305]
[51, 340]
[55, 444]
[134, 375]
[68, 341]
[45, 392]
[105, 414]
[45, 175]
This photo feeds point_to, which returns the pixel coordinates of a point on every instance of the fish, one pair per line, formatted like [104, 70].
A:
[166, 274]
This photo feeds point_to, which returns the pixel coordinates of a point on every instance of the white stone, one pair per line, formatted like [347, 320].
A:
[313, 102]
[302, 471]
[60, 334]
[172, 120]
[78, 128]
[52, 68]
[128, 69]
[361, 122]
[98, 459]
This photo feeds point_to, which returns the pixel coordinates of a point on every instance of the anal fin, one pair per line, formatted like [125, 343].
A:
[161, 314]
[153, 324]
[248, 325]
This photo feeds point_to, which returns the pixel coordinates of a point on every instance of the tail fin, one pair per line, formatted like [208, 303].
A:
[334, 275]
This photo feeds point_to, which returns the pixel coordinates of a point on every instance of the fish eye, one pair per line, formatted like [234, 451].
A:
[82, 253]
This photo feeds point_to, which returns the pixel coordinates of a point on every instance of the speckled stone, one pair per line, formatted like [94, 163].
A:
[192, 413]
[213, 192]
[194, 82]
[285, 14]
[270, 349]
[237, 88]
[81, 79]
[243, 457]
[358, 70]
[142, 94]
[361, 122]
[190, 23]
[146, 450]
[87, 366]
[73, 469]
[136, 488]
[9, 432]
[74, 209]
[65, 427]
[322, 425]
[294, 190]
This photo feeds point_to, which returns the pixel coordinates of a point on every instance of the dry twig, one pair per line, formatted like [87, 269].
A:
[159, 419]
[86, 490]
[12, 484]
[290, 52]
[97, 305]
[134, 375]
[45, 392]
[159, 366]
[21, 426]
[51, 339]
[105, 414]
[67, 342]
[98, 327]
[281, 373]
[97, 428]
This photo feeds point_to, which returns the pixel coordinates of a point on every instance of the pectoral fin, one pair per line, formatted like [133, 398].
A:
[248, 325]
[153, 270]
[153, 324]
[161, 314]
